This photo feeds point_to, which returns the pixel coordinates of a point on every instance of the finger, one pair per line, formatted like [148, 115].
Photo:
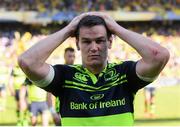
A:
[100, 14]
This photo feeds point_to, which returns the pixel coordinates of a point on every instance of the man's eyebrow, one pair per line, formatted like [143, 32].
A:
[85, 38]
[102, 37]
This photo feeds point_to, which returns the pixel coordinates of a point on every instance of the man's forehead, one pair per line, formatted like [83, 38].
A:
[93, 32]
[69, 52]
[93, 38]
[94, 29]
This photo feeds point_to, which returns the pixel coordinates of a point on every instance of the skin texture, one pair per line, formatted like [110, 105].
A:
[94, 44]
[69, 57]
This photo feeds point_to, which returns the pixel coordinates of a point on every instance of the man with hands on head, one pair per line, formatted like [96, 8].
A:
[96, 92]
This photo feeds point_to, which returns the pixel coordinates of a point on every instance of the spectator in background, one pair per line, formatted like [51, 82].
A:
[89, 5]
[18, 78]
[149, 99]
[37, 99]
[69, 58]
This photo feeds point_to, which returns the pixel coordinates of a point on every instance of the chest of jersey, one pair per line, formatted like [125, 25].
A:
[85, 94]
[96, 100]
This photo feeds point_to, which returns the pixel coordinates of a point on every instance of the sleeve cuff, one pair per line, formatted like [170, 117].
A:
[146, 79]
[47, 80]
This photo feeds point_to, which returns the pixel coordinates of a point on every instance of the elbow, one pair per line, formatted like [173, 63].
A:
[28, 64]
[162, 56]
[23, 63]
[166, 55]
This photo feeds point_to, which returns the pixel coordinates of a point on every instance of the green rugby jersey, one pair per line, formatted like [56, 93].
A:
[91, 100]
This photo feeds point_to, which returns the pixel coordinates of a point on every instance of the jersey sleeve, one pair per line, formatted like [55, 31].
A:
[47, 79]
[134, 82]
[55, 87]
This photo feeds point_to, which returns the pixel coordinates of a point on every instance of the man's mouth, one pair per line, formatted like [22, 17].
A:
[94, 56]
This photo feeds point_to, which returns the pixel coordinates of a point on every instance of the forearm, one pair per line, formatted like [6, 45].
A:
[33, 60]
[154, 56]
[49, 99]
[43, 49]
[148, 49]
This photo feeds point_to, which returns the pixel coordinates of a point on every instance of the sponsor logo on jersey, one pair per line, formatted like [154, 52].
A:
[96, 97]
[81, 77]
[111, 75]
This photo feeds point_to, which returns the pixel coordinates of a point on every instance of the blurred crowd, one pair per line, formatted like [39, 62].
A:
[89, 5]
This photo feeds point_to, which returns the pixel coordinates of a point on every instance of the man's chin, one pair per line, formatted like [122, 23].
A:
[95, 64]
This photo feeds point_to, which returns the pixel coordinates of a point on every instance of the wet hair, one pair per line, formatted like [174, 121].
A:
[69, 49]
[90, 21]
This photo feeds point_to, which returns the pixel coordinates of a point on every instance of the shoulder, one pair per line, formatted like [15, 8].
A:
[122, 64]
[67, 67]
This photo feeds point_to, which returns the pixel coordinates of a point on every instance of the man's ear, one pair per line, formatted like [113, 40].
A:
[110, 42]
[77, 44]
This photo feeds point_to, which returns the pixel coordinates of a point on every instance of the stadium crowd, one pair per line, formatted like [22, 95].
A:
[89, 5]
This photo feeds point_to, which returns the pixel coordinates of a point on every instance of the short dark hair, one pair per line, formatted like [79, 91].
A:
[69, 49]
[90, 21]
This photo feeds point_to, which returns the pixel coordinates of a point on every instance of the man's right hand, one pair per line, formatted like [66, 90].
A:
[72, 26]
[110, 22]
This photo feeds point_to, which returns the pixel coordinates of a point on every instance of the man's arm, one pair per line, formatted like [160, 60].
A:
[22, 98]
[32, 61]
[154, 56]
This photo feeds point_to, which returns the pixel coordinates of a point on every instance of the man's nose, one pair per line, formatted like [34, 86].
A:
[94, 46]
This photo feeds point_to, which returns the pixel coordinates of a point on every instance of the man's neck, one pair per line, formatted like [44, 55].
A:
[96, 69]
